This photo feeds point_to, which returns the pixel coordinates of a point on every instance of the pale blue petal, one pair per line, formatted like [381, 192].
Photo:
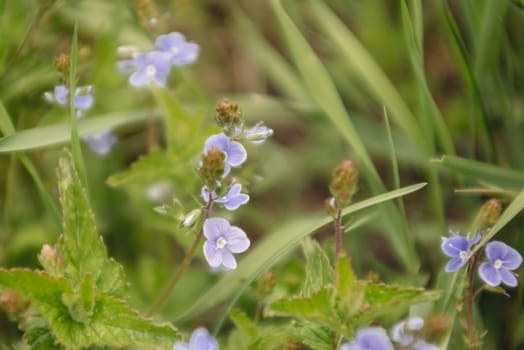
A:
[237, 241]
[234, 202]
[236, 154]
[212, 254]
[489, 274]
[496, 250]
[84, 102]
[181, 346]
[508, 278]
[202, 340]
[215, 228]
[219, 140]
[455, 264]
[228, 260]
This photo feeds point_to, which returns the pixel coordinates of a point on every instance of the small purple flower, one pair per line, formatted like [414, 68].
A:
[223, 240]
[200, 340]
[231, 200]
[503, 259]
[407, 334]
[147, 68]
[372, 338]
[258, 133]
[181, 51]
[83, 97]
[235, 153]
[458, 248]
[101, 142]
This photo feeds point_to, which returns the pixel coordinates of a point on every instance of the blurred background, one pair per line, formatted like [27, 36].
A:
[412, 91]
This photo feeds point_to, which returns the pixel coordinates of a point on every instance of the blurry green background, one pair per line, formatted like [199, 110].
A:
[448, 76]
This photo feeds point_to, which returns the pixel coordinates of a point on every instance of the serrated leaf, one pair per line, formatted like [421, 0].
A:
[381, 299]
[247, 328]
[318, 268]
[80, 247]
[316, 308]
[81, 301]
[113, 323]
[313, 335]
[38, 336]
[349, 291]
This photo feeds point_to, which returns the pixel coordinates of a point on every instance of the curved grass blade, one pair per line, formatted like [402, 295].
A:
[273, 248]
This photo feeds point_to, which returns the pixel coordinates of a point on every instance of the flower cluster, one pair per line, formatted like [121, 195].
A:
[222, 153]
[405, 334]
[152, 67]
[501, 259]
[100, 142]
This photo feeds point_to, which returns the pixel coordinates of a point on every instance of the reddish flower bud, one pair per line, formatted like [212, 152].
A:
[344, 183]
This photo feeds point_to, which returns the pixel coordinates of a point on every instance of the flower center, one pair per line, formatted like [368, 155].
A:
[150, 70]
[463, 255]
[497, 264]
[221, 242]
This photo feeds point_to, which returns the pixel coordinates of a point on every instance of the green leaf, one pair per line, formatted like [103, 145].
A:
[382, 299]
[313, 335]
[317, 308]
[81, 301]
[38, 335]
[318, 269]
[112, 323]
[270, 250]
[80, 247]
[483, 172]
[349, 291]
[246, 327]
[35, 138]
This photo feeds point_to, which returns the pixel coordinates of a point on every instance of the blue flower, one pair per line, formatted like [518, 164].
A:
[503, 259]
[372, 338]
[231, 200]
[407, 334]
[147, 68]
[181, 51]
[84, 99]
[458, 248]
[234, 151]
[200, 340]
[101, 142]
[258, 133]
[223, 240]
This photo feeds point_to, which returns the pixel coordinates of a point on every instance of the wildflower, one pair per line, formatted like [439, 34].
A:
[503, 259]
[181, 51]
[223, 240]
[344, 183]
[258, 133]
[147, 68]
[213, 167]
[234, 151]
[407, 334]
[101, 142]
[200, 340]
[458, 248]
[83, 97]
[231, 200]
[372, 338]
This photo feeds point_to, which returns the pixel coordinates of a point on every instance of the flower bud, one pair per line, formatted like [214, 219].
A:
[436, 327]
[13, 304]
[258, 134]
[344, 183]
[229, 116]
[62, 63]
[266, 285]
[192, 217]
[51, 261]
[212, 167]
[489, 213]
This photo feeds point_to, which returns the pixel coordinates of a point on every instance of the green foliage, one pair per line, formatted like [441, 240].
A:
[81, 308]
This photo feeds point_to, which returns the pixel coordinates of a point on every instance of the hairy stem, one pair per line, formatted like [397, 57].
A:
[470, 297]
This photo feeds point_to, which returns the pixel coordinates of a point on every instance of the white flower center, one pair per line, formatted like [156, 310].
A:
[150, 70]
[497, 264]
[221, 242]
[175, 50]
[463, 255]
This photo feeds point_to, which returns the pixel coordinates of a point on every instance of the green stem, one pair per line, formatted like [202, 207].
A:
[183, 266]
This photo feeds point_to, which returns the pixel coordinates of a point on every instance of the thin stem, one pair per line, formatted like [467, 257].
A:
[182, 267]
[338, 234]
[470, 296]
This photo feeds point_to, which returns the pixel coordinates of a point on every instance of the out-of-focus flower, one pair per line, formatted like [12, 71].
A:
[372, 338]
[84, 99]
[101, 142]
[181, 51]
[147, 68]
[503, 259]
[458, 248]
[258, 133]
[231, 200]
[200, 340]
[408, 334]
[223, 240]
[234, 151]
